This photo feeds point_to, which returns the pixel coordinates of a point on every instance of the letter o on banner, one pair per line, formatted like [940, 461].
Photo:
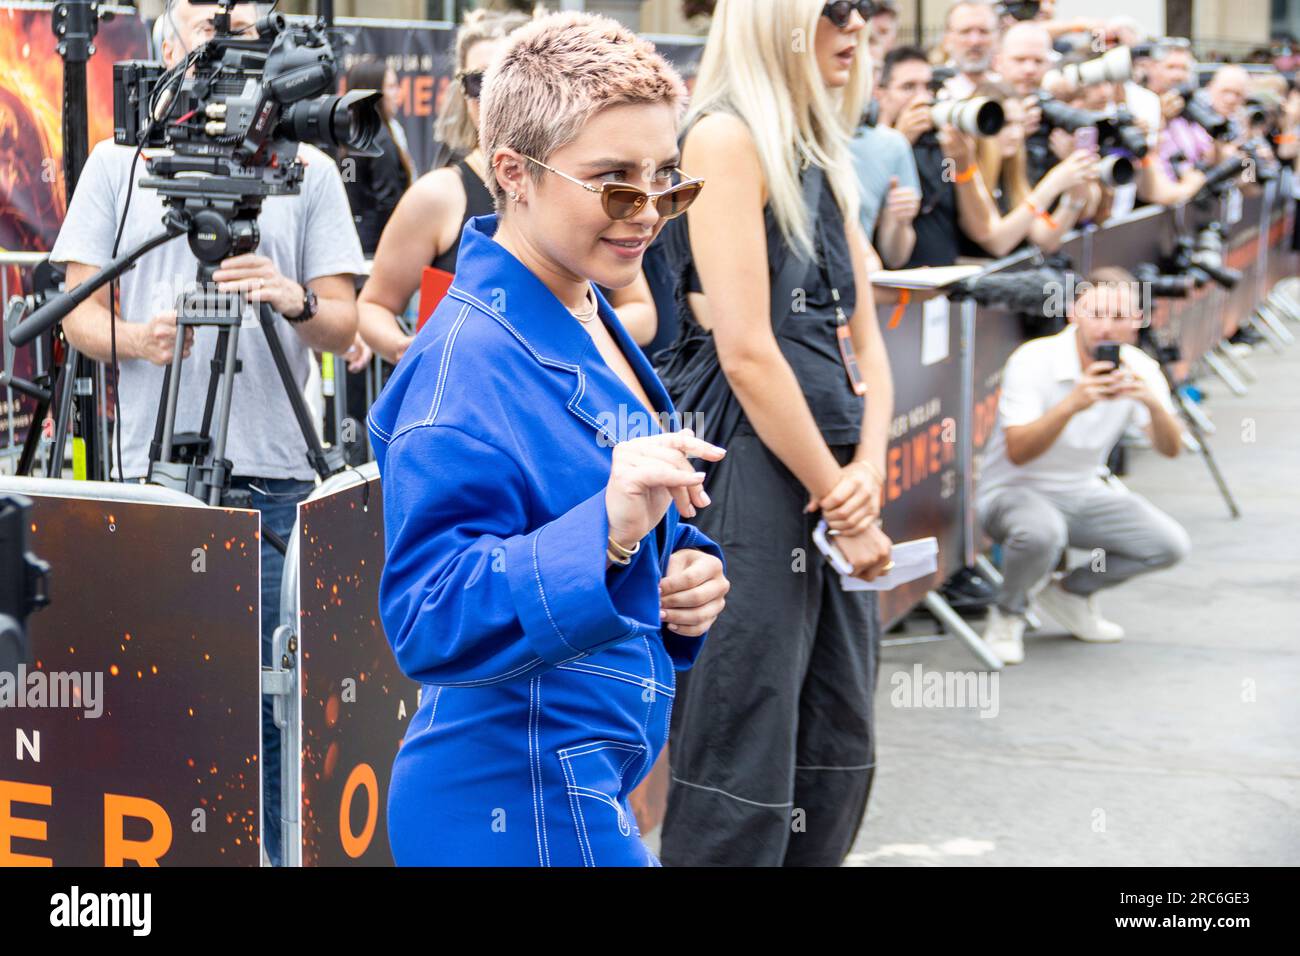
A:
[356, 844]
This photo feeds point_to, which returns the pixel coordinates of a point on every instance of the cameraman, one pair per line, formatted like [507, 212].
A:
[1043, 486]
[303, 267]
[958, 215]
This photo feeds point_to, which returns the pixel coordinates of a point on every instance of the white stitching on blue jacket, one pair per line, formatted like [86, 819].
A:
[533, 771]
[537, 573]
[440, 387]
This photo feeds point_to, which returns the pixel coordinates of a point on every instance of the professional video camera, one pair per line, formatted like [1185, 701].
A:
[245, 109]
[1116, 129]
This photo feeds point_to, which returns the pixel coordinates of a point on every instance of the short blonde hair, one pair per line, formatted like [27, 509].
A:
[454, 126]
[556, 74]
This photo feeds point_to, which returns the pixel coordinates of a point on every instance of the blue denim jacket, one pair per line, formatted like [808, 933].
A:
[548, 679]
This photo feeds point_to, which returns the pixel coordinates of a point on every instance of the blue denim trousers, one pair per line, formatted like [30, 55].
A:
[277, 499]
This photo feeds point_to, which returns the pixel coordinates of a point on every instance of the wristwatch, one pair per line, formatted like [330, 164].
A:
[309, 307]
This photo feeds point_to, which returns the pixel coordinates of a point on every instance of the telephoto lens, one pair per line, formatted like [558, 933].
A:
[1114, 66]
[1162, 285]
[1116, 170]
[1058, 115]
[1220, 175]
[979, 116]
[1207, 255]
[1200, 112]
[1121, 130]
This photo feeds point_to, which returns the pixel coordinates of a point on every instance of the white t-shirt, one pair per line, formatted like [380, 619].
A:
[307, 236]
[1037, 377]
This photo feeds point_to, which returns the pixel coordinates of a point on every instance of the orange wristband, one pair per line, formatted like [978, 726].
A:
[967, 174]
[904, 297]
[1041, 214]
[1286, 138]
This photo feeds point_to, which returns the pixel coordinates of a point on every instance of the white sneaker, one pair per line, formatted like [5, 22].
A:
[1078, 615]
[1004, 634]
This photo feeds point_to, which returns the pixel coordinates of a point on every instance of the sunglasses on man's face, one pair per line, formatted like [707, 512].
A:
[471, 83]
[623, 200]
[841, 11]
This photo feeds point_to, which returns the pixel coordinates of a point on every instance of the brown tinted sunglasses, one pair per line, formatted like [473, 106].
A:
[623, 200]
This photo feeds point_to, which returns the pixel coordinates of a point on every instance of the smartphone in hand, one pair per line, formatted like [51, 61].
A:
[1108, 352]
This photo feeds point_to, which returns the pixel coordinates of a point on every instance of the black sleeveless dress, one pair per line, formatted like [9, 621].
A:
[478, 202]
[806, 334]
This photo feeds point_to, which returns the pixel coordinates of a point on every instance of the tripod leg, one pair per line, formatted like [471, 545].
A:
[218, 369]
[33, 440]
[1210, 463]
[315, 453]
[160, 423]
[228, 346]
[172, 382]
[67, 397]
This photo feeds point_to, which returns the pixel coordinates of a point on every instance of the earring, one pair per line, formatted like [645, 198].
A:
[514, 197]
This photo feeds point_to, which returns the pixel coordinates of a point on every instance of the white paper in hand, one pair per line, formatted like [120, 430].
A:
[912, 560]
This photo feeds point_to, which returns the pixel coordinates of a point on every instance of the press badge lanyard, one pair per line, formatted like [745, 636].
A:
[843, 334]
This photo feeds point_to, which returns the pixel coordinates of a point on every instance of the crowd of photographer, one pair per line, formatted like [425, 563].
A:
[820, 170]
[1023, 127]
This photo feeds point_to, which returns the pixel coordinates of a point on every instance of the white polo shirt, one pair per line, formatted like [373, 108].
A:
[1037, 377]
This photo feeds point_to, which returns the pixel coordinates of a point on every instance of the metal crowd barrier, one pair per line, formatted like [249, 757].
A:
[960, 389]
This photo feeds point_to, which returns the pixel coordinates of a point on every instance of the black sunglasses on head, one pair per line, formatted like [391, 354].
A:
[841, 11]
[471, 83]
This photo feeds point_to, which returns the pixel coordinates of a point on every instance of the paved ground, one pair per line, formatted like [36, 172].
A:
[1178, 746]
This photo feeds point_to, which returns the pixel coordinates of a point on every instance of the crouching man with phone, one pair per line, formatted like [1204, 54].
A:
[1066, 400]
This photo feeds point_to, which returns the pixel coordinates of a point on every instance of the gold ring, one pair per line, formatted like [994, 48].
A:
[888, 566]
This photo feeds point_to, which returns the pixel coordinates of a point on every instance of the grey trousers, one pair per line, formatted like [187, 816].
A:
[1126, 534]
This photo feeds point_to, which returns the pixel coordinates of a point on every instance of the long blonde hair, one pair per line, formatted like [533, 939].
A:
[759, 65]
[1010, 174]
[454, 127]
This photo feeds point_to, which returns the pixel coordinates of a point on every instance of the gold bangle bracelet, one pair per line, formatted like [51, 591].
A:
[617, 550]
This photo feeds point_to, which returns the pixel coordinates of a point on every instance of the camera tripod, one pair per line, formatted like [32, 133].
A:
[220, 218]
[1166, 356]
[219, 215]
